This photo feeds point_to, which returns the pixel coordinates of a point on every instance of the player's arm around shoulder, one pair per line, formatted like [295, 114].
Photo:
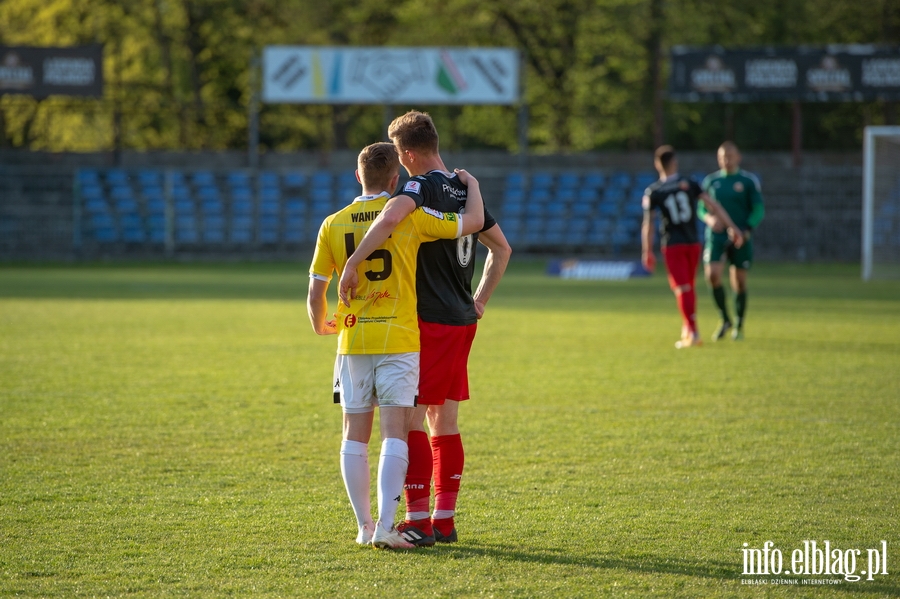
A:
[431, 224]
[396, 209]
[473, 219]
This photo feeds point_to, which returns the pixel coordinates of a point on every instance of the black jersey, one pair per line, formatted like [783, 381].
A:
[445, 267]
[676, 200]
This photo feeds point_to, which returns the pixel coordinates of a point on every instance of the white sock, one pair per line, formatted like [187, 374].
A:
[392, 466]
[355, 471]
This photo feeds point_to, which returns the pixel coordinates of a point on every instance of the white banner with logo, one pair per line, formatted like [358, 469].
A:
[375, 75]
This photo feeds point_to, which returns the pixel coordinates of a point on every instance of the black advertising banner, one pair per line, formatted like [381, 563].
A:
[41, 72]
[808, 74]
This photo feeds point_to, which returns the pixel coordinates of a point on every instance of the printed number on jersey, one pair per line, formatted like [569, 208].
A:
[379, 254]
[679, 207]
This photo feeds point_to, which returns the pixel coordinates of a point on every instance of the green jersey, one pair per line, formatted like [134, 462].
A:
[739, 194]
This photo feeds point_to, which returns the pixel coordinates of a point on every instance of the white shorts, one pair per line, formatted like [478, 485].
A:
[368, 380]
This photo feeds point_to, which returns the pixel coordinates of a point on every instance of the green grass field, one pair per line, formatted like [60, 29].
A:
[169, 431]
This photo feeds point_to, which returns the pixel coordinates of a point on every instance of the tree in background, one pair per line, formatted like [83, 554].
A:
[178, 72]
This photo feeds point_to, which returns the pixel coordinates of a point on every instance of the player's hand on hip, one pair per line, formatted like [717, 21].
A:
[347, 285]
[648, 259]
[479, 309]
[736, 237]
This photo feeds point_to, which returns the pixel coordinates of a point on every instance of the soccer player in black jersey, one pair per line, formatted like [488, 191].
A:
[448, 313]
[675, 197]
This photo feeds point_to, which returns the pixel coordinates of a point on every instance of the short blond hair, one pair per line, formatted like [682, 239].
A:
[377, 164]
[414, 131]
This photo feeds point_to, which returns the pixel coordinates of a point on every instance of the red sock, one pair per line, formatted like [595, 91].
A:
[448, 467]
[687, 304]
[418, 475]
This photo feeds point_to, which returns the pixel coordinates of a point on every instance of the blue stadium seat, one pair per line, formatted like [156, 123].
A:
[106, 235]
[180, 192]
[116, 176]
[295, 207]
[513, 208]
[587, 194]
[268, 179]
[515, 180]
[556, 208]
[184, 207]
[606, 208]
[346, 194]
[613, 195]
[88, 176]
[565, 195]
[347, 179]
[126, 206]
[270, 208]
[582, 209]
[212, 207]
[96, 206]
[321, 180]
[633, 208]
[203, 179]
[568, 181]
[155, 206]
[542, 181]
[242, 193]
[643, 179]
[134, 235]
[149, 177]
[131, 221]
[240, 235]
[237, 179]
[294, 229]
[597, 237]
[539, 196]
[620, 179]
[513, 195]
[594, 180]
[208, 192]
[91, 192]
[156, 222]
[268, 229]
[153, 192]
[241, 207]
[294, 179]
[102, 221]
[555, 225]
[578, 225]
[269, 194]
[121, 192]
[321, 196]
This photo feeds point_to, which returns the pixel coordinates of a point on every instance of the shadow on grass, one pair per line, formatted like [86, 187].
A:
[648, 564]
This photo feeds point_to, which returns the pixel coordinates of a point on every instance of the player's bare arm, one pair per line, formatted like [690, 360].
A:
[396, 209]
[499, 252]
[473, 219]
[317, 307]
[648, 258]
[720, 215]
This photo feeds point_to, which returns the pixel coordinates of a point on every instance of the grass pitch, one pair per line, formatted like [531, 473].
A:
[169, 431]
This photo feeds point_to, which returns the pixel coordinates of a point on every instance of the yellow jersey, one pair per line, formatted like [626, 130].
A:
[382, 315]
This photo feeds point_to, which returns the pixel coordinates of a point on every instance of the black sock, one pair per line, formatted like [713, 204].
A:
[719, 297]
[740, 306]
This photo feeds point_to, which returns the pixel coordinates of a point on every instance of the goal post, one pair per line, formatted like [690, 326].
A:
[881, 203]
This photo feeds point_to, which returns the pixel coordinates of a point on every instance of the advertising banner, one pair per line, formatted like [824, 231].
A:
[363, 75]
[808, 74]
[42, 72]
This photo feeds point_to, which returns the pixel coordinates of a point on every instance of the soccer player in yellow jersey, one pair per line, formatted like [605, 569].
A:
[378, 334]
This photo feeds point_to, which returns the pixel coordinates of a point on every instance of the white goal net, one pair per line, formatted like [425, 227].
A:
[881, 203]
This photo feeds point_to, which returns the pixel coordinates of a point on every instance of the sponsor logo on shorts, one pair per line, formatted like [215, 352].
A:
[413, 187]
[350, 320]
[738, 186]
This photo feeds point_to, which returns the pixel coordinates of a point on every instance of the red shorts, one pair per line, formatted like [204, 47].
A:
[443, 372]
[681, 262]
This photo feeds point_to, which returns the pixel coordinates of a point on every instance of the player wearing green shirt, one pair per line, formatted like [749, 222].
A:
[739, 193]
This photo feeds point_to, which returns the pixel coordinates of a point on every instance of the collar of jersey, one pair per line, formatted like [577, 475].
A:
[671, 177]
[447, 174]
[383, 194]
